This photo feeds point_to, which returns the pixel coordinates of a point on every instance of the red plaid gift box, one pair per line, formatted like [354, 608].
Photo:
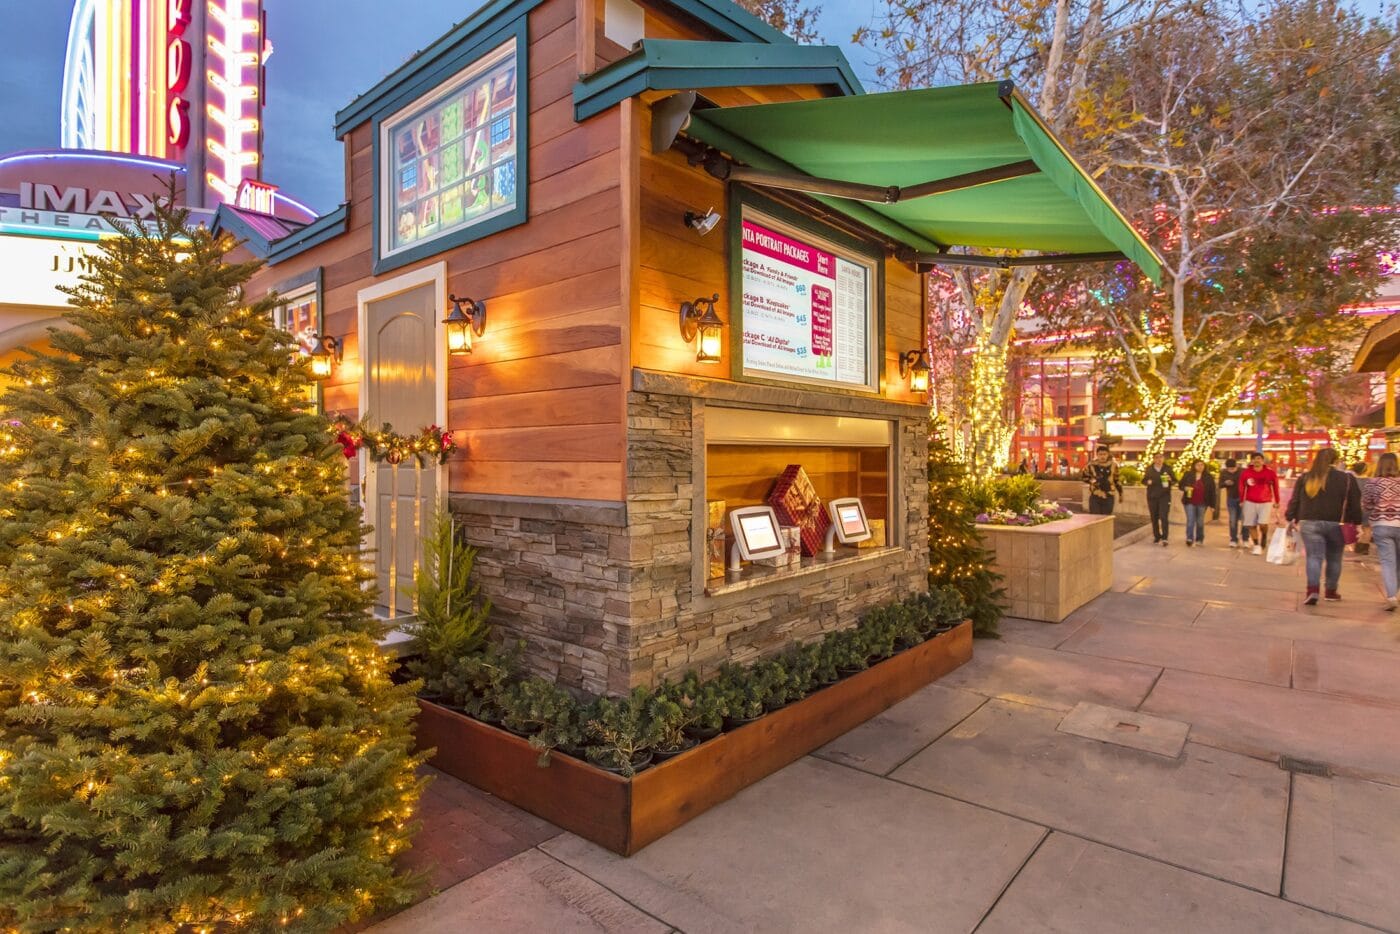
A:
[795, 501]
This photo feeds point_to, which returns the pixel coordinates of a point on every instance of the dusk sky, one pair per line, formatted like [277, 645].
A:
[326, 52]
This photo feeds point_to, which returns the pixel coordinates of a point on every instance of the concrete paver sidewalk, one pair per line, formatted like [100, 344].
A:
[975, 807]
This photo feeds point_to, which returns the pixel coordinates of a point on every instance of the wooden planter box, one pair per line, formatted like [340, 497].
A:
[1051, 570]
[625, 815]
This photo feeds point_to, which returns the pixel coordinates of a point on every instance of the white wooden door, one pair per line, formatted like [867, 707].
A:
[400, 388]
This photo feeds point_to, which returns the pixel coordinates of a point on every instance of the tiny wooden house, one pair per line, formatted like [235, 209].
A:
[676, 309]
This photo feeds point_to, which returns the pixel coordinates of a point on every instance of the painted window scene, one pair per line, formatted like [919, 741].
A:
[453, 162]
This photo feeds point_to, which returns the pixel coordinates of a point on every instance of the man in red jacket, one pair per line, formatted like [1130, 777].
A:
[1258, 499]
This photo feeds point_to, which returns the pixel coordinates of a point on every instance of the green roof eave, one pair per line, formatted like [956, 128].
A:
[443, 57]
[732, 21]
[433, 64]
[1016, 188]
[682, 64]
[326, 227]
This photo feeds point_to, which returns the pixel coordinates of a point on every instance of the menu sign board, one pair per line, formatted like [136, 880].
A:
[806, 310]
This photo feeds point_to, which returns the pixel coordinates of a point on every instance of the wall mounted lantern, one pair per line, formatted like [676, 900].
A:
[912, 364]
[324, 354]
[463, 323]
[706, 326]
[702, 223]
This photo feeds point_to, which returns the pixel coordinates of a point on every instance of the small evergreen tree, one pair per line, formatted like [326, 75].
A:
[955, 552]
[451, 624]
[197, 727]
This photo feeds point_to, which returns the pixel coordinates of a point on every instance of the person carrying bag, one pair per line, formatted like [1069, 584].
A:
[1325, 502]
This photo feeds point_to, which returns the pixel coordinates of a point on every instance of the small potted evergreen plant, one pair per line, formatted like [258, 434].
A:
[451, 622]
[620, 734]
[828, 656]
[774, 682]
[669, 719]
[745, 696]
[529, 706]
[709, 703]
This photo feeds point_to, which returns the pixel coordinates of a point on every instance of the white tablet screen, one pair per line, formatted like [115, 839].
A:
[851, 523]
[759, 532]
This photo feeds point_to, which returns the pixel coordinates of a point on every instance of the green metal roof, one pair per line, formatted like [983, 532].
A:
[676, 64]
[971, 166]
[443, 57]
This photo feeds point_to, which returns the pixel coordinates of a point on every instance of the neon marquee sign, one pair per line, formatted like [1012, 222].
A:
[172, 79]
[178, 68]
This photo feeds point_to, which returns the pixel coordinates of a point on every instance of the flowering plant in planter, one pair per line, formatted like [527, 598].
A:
[1042, 512]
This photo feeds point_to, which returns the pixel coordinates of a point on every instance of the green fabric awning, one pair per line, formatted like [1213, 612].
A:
[1022, 189]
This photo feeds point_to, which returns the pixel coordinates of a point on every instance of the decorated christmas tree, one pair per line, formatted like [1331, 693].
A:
[197, 727]
[955, 552]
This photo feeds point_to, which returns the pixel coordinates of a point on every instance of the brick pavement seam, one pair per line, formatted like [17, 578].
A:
[1122, 849]
[1287, 832]
[1160, 671]
[985, 701]
[673, 929]
[1338, 771]
[1045, 835]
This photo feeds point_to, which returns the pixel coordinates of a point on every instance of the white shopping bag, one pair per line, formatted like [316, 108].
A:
[1283, 547]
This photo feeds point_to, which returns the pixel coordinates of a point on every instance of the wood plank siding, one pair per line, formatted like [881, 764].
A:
[582, 293]
[537, 408]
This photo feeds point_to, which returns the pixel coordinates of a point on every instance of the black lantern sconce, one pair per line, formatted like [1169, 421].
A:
[913, 365]
[324, 354]
[463, 324]
[705, 328]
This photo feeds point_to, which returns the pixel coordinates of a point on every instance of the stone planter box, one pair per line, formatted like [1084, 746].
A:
[625, 815]
[1051, 570]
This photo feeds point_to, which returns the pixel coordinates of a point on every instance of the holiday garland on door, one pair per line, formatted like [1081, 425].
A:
[430, 445]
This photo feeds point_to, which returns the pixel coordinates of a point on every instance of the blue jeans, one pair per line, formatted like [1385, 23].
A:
[1195, 522]
[1322, 541]
[1236, 512]
[1387, 541]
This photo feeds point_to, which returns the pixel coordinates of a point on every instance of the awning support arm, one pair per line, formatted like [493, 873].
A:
[878, 194]
[924, 260]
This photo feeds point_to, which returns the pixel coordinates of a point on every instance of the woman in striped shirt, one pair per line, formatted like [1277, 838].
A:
[1380, 500]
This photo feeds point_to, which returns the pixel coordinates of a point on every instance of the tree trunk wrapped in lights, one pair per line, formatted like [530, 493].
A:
[1210, 418]
[1352, 444]
[1159, 405]
[198, 726]
[990, 446]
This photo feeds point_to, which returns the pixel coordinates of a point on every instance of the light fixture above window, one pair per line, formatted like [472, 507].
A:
[324, 354]
[463, 324]
[702, 223]
[913, 365]
[705, 328]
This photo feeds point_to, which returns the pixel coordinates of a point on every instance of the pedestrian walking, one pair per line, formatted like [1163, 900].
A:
[1259, 492]
[1324, 501]
[1160, 480]
[1102, 477]
[1230, 486]
[1361, 471]
[1197, 492]
[1380, 502]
